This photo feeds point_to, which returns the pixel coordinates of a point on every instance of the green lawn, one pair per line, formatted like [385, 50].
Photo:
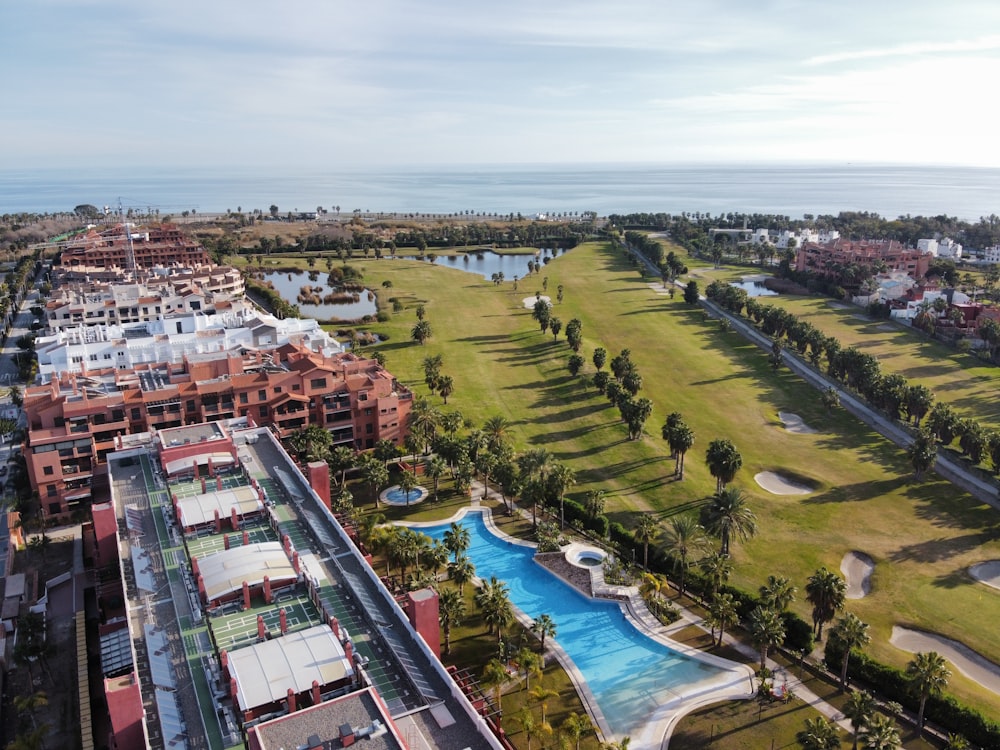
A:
[922, 535]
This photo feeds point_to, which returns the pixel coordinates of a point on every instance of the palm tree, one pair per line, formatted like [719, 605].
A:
[819, 734]
[681, 439]
[530, 663]
[341, 460]
[594, 503]
[451, 609]
[542, 695]
[495, 675]
[723, 462]
[376, 476]
[723, 614]
[767, 630]
[461, 571]
[435, 469]
[28, 704]
[457, 539]
[646, 531]
[497, 431]
[777, 593]
[407, 482]
[826, 591]
[929, 675]
[849, 633]
[922, 452]
[544, 626]
[561, 478]
[727, 515]
[881, 734]
[421, 332]
[717, 569]
[445, 387]
[684, 537]
[575, 726]
[531, 728]
[860, 708]
[494, 600]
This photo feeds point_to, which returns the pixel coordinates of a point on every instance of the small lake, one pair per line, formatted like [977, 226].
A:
[289, 284]
[486, 262]
[754, 287]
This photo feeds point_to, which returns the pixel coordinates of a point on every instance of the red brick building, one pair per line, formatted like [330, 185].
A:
[132, 247]
[76, 420]
[826, 259]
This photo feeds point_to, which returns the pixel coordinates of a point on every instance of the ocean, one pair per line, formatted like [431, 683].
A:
[792, 190]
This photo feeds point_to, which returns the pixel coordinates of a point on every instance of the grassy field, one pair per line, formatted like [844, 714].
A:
[922, 535]
[961, 380]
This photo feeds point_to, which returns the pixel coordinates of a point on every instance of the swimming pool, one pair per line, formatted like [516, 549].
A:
[630, 675]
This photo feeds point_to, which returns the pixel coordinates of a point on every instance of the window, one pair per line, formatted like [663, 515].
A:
[296, 387]
[52, 491]
[54, 509]
[190, 405]
[244, 397]
[317, 383]
[368, 428]
[262, 395]
[277, 389]
[47, 471]
[93, 357]
[136, 414]
[263, 411]
[368, 412]
[107, 355]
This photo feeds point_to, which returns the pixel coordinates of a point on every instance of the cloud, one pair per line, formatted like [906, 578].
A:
[914, 49]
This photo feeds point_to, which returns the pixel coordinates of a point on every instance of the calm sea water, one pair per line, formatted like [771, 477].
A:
[890, 191]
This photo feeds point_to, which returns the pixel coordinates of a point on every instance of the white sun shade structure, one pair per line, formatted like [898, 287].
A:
[180, 465]
[200, 510]
[266, 671]
[224, 572]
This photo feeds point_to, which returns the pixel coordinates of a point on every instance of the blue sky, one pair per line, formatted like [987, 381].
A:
[391, 82]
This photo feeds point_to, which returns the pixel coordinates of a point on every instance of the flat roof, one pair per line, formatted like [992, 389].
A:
[265, 671]
[224, 572]
[200, 509]
[192, 433]
[179, 465]
[360, 710]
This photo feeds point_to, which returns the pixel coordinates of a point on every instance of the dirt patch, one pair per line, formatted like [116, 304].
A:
[794, 423]
[987, 572]
[857, 568]
[778, 484]
[975, 666]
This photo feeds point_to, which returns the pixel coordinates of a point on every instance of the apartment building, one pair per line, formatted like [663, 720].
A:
[128, 247]
[886, 255]
[75, 419]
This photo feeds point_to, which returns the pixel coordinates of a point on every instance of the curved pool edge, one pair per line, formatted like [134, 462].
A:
[736, 682]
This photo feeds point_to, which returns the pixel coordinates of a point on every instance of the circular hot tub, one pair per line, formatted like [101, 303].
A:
[584, 556]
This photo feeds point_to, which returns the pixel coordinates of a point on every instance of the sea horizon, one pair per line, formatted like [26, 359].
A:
[787, 189]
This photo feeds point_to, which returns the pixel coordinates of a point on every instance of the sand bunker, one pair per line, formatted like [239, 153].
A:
[794, 423]
[777, 484]
[857, 568]
[974, 666]
[529, 302]
[987, 572]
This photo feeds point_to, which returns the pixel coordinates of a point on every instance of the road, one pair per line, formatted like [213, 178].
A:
[946, 466]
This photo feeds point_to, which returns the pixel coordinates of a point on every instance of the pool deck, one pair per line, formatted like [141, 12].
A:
[738, 682]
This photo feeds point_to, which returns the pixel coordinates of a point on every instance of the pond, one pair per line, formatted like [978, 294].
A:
[289, 284]
[754, 286]
[486, 262]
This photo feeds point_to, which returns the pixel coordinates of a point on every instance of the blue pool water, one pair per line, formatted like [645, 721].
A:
[396, 495]
[628, 673]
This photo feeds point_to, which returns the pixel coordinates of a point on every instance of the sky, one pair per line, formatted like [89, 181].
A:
[439, 82]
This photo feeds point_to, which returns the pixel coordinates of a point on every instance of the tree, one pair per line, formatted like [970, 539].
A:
[646, 531]
[594, 503]
[727, 515]
[575, 364]
[432, 370]
[777, 593]
[691, 293]
[497, 432]
[530, 663]
[819, 734]
[341, 459]
[451, 610]
[543, 626]
[600, 357]
[434, 470]
[723, 462]
[555, 325]
[922, 452]
[929, 676]
[376, 476]
[445, 387]
[716, 568]
[849, 633]
[830, 399]
[723, 614]
[462, 570]
[767, 630]
[561, 478]
[494, 676]
[457, 539]
[542, 313]
[312, 443]
[407, 482]
[680, 438]
[421, 332]
[881, 734]
[16, 397]
[776, 358]
[684, 538]
[574, 727]
[542, 695]
[574, 334]
[860, 708]
[826, 591]
[493, 599]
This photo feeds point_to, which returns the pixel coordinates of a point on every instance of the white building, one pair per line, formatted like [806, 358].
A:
[123, 346]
